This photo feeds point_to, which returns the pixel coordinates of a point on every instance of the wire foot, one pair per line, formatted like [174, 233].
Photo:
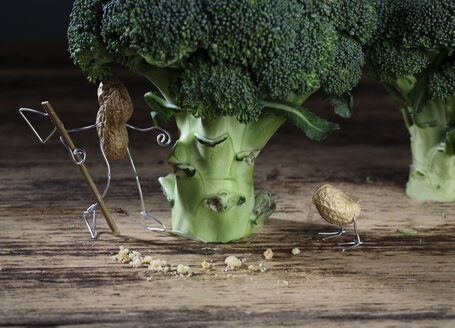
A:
[333, 234]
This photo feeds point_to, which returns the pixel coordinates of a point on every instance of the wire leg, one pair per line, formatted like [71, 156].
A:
[92, 208]
[144, 212]
[333, 234]
[354, 243]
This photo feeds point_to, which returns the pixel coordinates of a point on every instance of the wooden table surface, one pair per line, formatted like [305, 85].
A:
[52, 273]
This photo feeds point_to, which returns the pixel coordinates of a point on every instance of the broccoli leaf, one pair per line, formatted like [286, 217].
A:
[161, 107]
[342, 105]
[315, 127]
[418, 98]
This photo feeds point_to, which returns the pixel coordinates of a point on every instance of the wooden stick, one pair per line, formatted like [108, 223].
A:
[87, 177]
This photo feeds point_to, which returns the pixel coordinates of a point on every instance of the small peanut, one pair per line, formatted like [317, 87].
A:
[115, 109]
[335, 206]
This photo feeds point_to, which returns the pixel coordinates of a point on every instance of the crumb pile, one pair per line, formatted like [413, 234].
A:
[137, 260]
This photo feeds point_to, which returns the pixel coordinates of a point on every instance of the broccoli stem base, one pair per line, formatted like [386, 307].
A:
[432, 174]
[211, 192]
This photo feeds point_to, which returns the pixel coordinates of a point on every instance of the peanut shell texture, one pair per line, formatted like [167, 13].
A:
[116, 108]
[335, 206]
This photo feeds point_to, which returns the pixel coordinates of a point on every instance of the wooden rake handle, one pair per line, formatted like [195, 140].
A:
[82, 168]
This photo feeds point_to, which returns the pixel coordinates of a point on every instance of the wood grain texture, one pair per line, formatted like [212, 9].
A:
[54, 274]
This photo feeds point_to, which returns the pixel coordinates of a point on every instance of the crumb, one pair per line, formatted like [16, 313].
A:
[232, 262]
[149, 278]
[183, 269]
[268, 254]
[284, 282]
[262, 268]
[295, 251]
[136, 262]
[205, 265]
[252, 268]
[147, 259]
[132, 255]
[158, 266]
[122, 255]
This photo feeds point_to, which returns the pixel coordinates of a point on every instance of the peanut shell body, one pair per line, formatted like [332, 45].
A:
[115, 110]
[335, 206]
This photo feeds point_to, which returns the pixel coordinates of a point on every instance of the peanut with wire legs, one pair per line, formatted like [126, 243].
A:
[337, 208]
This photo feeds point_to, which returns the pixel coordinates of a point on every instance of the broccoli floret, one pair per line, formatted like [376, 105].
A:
[388, 61]
[300, 68]
[442, 82]
[232, 93]
[86, 45]
[356, 18]
[162, 32]
[346, 69]
[250, 32]
[429, 24]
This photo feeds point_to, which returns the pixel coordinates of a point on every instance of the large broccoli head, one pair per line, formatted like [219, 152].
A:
[414, 38]
[226, 56]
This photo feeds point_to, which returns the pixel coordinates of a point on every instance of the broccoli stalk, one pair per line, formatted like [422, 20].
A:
[432, 173]
[211, 192]
[230, 73]
[412, 57]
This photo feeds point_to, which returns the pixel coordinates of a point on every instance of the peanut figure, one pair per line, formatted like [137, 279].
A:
[339, 209]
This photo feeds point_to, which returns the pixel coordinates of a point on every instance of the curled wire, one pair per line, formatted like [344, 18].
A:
[162, 139]
[78, 151]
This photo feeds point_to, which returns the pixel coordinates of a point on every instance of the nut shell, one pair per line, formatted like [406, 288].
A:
[116, 108]
[335, 206]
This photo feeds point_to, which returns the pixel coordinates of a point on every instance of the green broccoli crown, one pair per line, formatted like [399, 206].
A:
[388, 61]
[430, 24]
[410, 36]
[162, 31]
[260, 49]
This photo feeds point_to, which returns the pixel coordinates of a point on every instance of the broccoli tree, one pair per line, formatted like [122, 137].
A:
[230, 72]
[411, 55]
